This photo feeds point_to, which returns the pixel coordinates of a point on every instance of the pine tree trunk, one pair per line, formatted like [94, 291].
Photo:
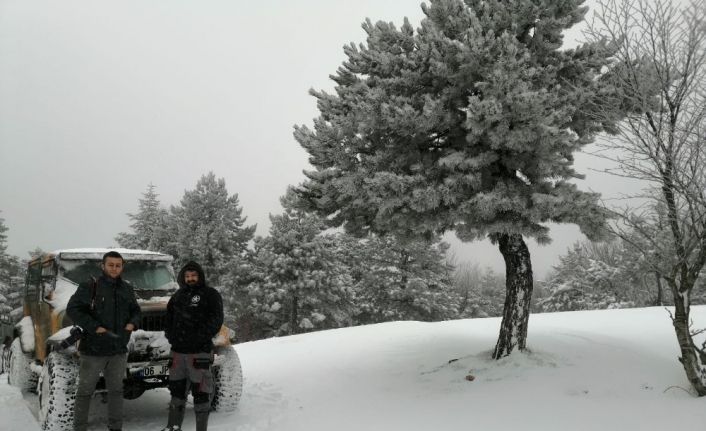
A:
[692, 358]
[519, 284]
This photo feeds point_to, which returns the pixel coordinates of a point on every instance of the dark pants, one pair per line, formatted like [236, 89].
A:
[113, 369]
[184, 376]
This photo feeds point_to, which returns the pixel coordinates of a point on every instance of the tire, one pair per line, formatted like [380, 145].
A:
[19, 373]
[228, 379]
[132, 393]
[57, 392]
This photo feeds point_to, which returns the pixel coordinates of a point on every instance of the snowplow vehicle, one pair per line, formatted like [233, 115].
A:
[43, 355]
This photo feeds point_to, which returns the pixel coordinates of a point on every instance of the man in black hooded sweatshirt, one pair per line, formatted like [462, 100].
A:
[194, 317]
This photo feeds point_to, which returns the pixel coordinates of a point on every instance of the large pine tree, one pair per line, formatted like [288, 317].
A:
[466, 124]
[210, 228]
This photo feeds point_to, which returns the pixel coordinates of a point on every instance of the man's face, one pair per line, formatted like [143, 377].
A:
[191, 277]
[112, 266]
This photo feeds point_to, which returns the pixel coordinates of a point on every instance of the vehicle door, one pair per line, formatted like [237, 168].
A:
[46, 322]
[30, 303]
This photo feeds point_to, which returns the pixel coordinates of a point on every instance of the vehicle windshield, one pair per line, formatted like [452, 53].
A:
[149, 275]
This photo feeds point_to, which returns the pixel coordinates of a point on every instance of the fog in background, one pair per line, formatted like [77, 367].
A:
[99, 99]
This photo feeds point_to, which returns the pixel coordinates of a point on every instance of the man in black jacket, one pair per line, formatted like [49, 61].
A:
[194, 317]
[107, 311]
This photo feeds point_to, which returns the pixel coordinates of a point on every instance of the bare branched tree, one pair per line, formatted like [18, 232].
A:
[658, 79]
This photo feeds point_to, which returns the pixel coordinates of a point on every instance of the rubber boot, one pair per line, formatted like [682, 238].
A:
[202, 421]
[176, 417]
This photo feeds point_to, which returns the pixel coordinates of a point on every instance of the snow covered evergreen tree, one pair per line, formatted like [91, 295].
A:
[582, 282]
[481, 291]
[148, 222]
[466, 278]
[210, 228]
[12, 270]
[11, 295]
[166, 237]
[38, 251]
[3, 236]
[14, 292]
[298, 282]
[467, 124]
[491, 293]
[403, 281]
[4, 258]
[5, 307]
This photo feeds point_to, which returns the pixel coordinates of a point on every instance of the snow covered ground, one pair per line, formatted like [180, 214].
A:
[593, 370]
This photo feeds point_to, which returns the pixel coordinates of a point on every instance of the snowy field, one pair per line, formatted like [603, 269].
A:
[593, 370]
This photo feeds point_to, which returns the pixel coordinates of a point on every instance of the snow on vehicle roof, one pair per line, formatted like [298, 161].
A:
[104, 250]
[97, 253]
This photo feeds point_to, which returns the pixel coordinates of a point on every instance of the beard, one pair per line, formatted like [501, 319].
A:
[192, 283]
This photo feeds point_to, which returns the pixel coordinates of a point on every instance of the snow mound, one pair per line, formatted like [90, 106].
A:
[14, 413]
[26, 329]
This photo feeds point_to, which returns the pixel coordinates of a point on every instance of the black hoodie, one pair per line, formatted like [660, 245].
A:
[194, 315]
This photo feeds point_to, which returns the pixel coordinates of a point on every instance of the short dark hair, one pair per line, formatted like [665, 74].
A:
[113, 253]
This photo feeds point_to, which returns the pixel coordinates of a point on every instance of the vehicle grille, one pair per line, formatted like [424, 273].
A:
[152, 323]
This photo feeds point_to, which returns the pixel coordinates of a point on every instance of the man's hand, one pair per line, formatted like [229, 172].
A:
[129, 327]
[100, 330]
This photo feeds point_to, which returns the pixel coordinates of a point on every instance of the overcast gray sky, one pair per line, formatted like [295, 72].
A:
[99, 99]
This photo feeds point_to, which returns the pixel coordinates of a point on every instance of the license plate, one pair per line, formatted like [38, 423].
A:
[154, 370]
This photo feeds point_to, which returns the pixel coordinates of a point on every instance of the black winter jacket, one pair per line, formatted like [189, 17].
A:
[194, 315]
[115, 307]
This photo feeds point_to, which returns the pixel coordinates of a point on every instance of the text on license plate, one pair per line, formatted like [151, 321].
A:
[154, 370]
